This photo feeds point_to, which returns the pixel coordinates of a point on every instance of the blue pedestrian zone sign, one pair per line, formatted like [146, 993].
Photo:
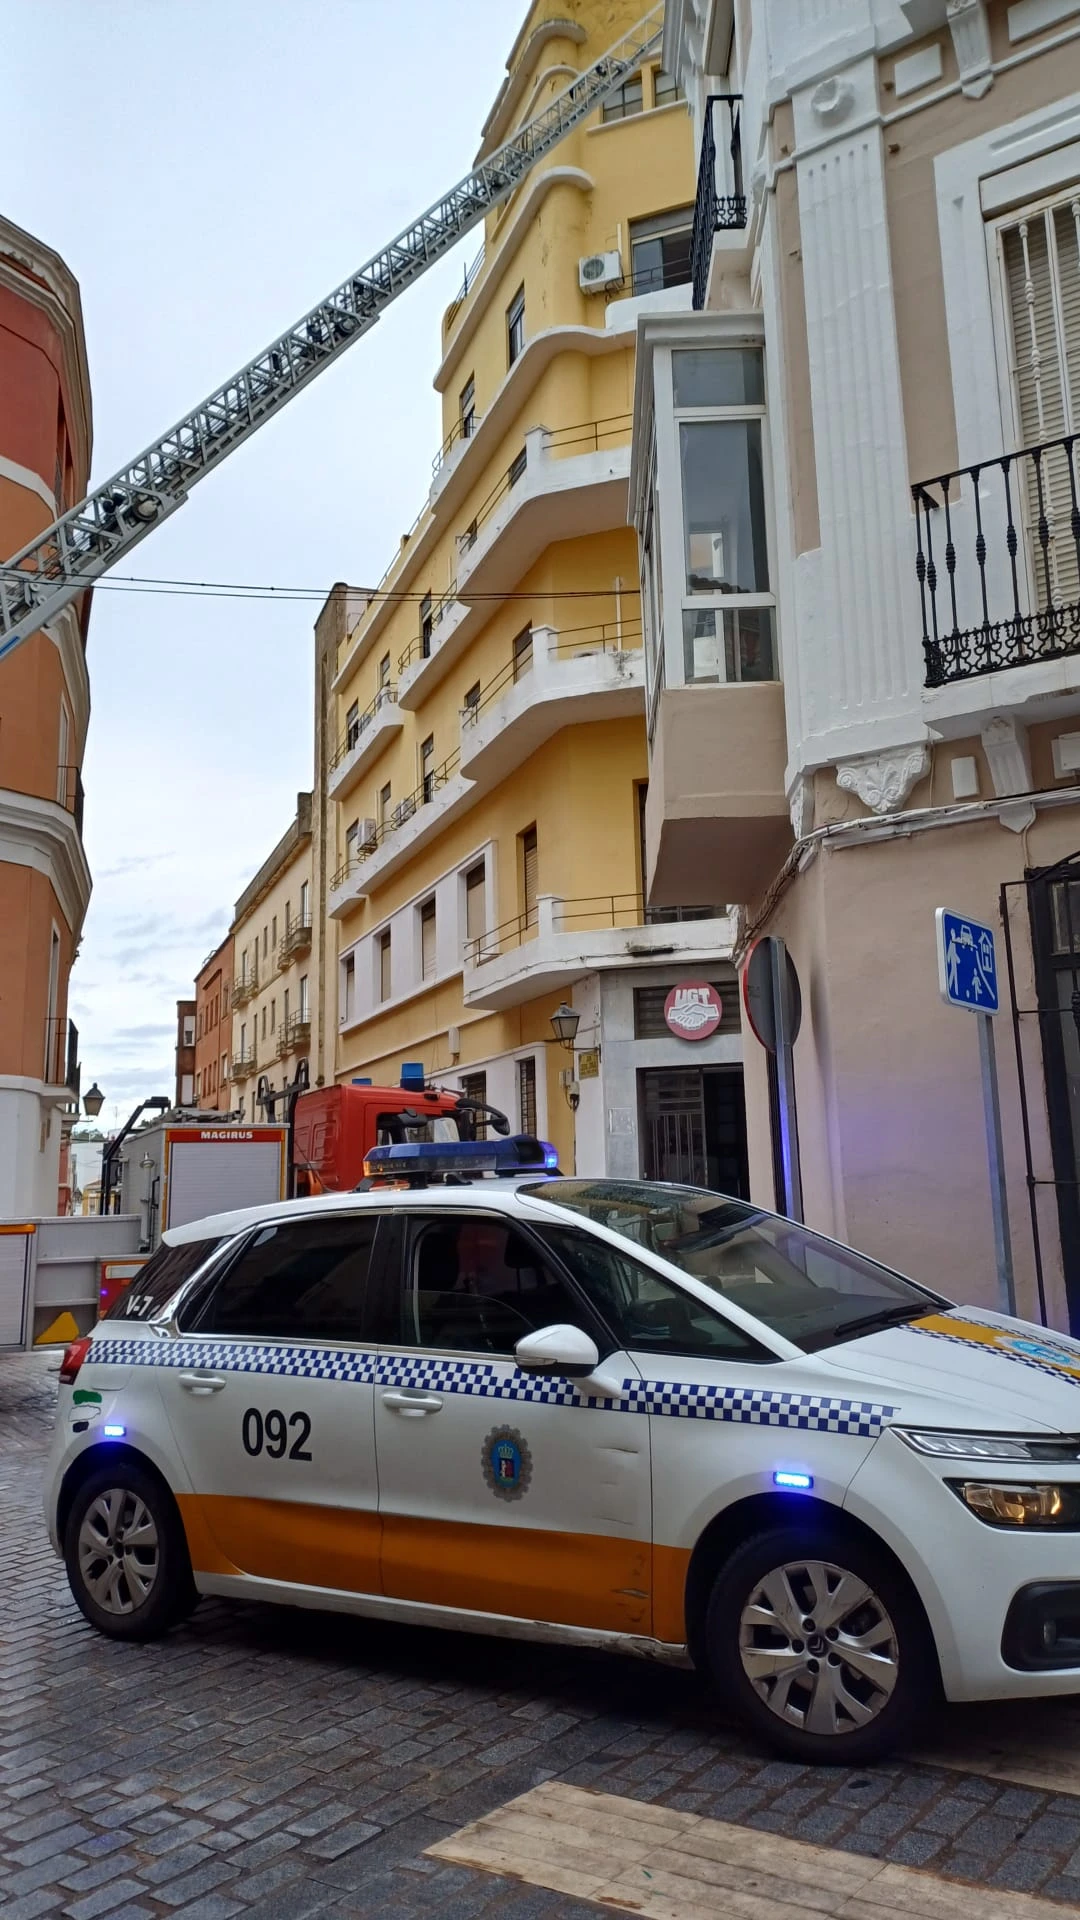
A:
[967, 962]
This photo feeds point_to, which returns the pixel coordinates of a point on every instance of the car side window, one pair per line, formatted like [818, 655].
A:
[478, 1284]
[647, 1313]
[295, 1281]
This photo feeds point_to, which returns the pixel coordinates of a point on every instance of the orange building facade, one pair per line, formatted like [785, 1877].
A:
[45, 444]
[213, 1029]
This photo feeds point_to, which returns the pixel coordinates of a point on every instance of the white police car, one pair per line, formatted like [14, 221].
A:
[606, 1413]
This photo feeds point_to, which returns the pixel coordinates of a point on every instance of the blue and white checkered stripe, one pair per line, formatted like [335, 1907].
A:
[745, 1406]
[1070, 1353]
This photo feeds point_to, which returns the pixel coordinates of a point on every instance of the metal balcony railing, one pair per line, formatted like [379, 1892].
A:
[461, 430]
[716, 212]
[424, 644]
[998, 562]
[297, 940]
[356, 729]
[400, 814]
[69, 791]
[591, 436]
[593, 912]
[573, 643]
[294, 1035]
[472, 274]
[245, 989]
[243, 1065]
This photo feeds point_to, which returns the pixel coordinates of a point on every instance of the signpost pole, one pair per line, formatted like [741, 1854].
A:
[995, 1155]
[785, 1078]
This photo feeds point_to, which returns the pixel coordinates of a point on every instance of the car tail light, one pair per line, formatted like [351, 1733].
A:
[74, 1355]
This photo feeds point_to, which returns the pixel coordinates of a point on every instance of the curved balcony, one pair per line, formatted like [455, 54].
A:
[564, 679]
[243, 1066]
[442, 795]
[362, 742]
[570, 483]
[563, 940]
[245, 989]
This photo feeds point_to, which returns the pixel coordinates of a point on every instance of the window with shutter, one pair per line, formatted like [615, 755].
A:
[384, 965]
[427, 940]
[1041, 259]
[522, 655]
[529, 876]
[475, 901]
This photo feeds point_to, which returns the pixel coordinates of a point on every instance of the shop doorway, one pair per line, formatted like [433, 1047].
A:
[693, 1127]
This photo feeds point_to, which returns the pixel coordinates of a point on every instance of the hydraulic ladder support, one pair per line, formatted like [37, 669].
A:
[89, 539]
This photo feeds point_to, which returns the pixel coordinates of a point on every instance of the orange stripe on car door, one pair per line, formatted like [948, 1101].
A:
[573, 1579]
[582, 1580]
[284, 1540]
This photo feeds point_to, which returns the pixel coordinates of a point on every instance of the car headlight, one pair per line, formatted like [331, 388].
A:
[988, 1446]
[1037, 1508]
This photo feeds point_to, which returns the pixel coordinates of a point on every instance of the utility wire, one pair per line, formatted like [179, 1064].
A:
[237, 589]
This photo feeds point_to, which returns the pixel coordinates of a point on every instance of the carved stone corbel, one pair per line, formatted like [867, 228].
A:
[882, 781]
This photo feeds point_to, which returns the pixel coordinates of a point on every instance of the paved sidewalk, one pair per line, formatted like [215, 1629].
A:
[281, 1764]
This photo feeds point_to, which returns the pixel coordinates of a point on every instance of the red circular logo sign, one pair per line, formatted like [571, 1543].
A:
[693, 1010]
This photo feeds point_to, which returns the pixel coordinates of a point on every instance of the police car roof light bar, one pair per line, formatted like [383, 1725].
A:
[463, 1158]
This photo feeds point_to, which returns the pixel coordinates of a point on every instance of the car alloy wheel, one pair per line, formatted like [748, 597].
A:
[119, 1551]
[126, 1553]
[819, 1647]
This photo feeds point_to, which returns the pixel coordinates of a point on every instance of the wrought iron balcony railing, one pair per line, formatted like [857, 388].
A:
[716, 212]
[998, 562]
[243, 1065]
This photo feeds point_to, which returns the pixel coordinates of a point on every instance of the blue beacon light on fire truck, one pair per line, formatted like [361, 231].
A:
[462, 1159]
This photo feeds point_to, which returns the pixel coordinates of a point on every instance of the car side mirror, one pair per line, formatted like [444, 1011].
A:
[561, 1349]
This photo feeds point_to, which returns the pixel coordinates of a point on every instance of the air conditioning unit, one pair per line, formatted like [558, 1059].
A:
[598, 272]
[368, 835]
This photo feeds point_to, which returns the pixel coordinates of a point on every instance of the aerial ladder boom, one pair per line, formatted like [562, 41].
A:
[86, 541]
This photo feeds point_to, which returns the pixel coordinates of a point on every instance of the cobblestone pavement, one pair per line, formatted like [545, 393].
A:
[281, 1764]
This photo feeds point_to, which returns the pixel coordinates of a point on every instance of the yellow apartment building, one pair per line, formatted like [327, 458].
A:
[481, 758]
[271, 969]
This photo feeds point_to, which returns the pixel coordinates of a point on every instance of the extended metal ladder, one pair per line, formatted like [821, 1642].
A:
[87, 540]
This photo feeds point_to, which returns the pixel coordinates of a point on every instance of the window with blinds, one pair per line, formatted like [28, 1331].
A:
[529, 876]
[1040, 254]
[427, 940]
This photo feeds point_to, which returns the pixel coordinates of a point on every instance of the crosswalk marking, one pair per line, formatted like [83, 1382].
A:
[666, 1865]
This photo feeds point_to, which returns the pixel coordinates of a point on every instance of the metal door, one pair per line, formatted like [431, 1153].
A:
[674, 1131]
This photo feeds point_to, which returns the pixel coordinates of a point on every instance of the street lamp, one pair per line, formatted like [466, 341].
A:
[565, 1022]
[93, 1101]
[158, 1104]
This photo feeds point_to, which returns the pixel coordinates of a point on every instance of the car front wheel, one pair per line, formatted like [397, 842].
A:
[821, 1646]
[126, 1555]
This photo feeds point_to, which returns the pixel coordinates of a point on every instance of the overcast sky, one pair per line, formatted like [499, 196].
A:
[209, 169]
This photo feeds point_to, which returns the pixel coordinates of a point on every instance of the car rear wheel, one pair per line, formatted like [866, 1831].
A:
[820, 1645]
[126, 1555]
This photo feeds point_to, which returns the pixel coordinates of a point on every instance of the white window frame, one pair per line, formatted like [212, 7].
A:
[669, 528]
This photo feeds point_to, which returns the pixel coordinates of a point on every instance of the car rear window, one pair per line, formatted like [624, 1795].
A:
[163, 1275]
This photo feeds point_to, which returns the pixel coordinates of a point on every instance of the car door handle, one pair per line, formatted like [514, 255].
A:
[412, 1404]
[202, 1382]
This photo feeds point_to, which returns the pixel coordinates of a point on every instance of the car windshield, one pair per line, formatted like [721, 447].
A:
[808, 1289]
